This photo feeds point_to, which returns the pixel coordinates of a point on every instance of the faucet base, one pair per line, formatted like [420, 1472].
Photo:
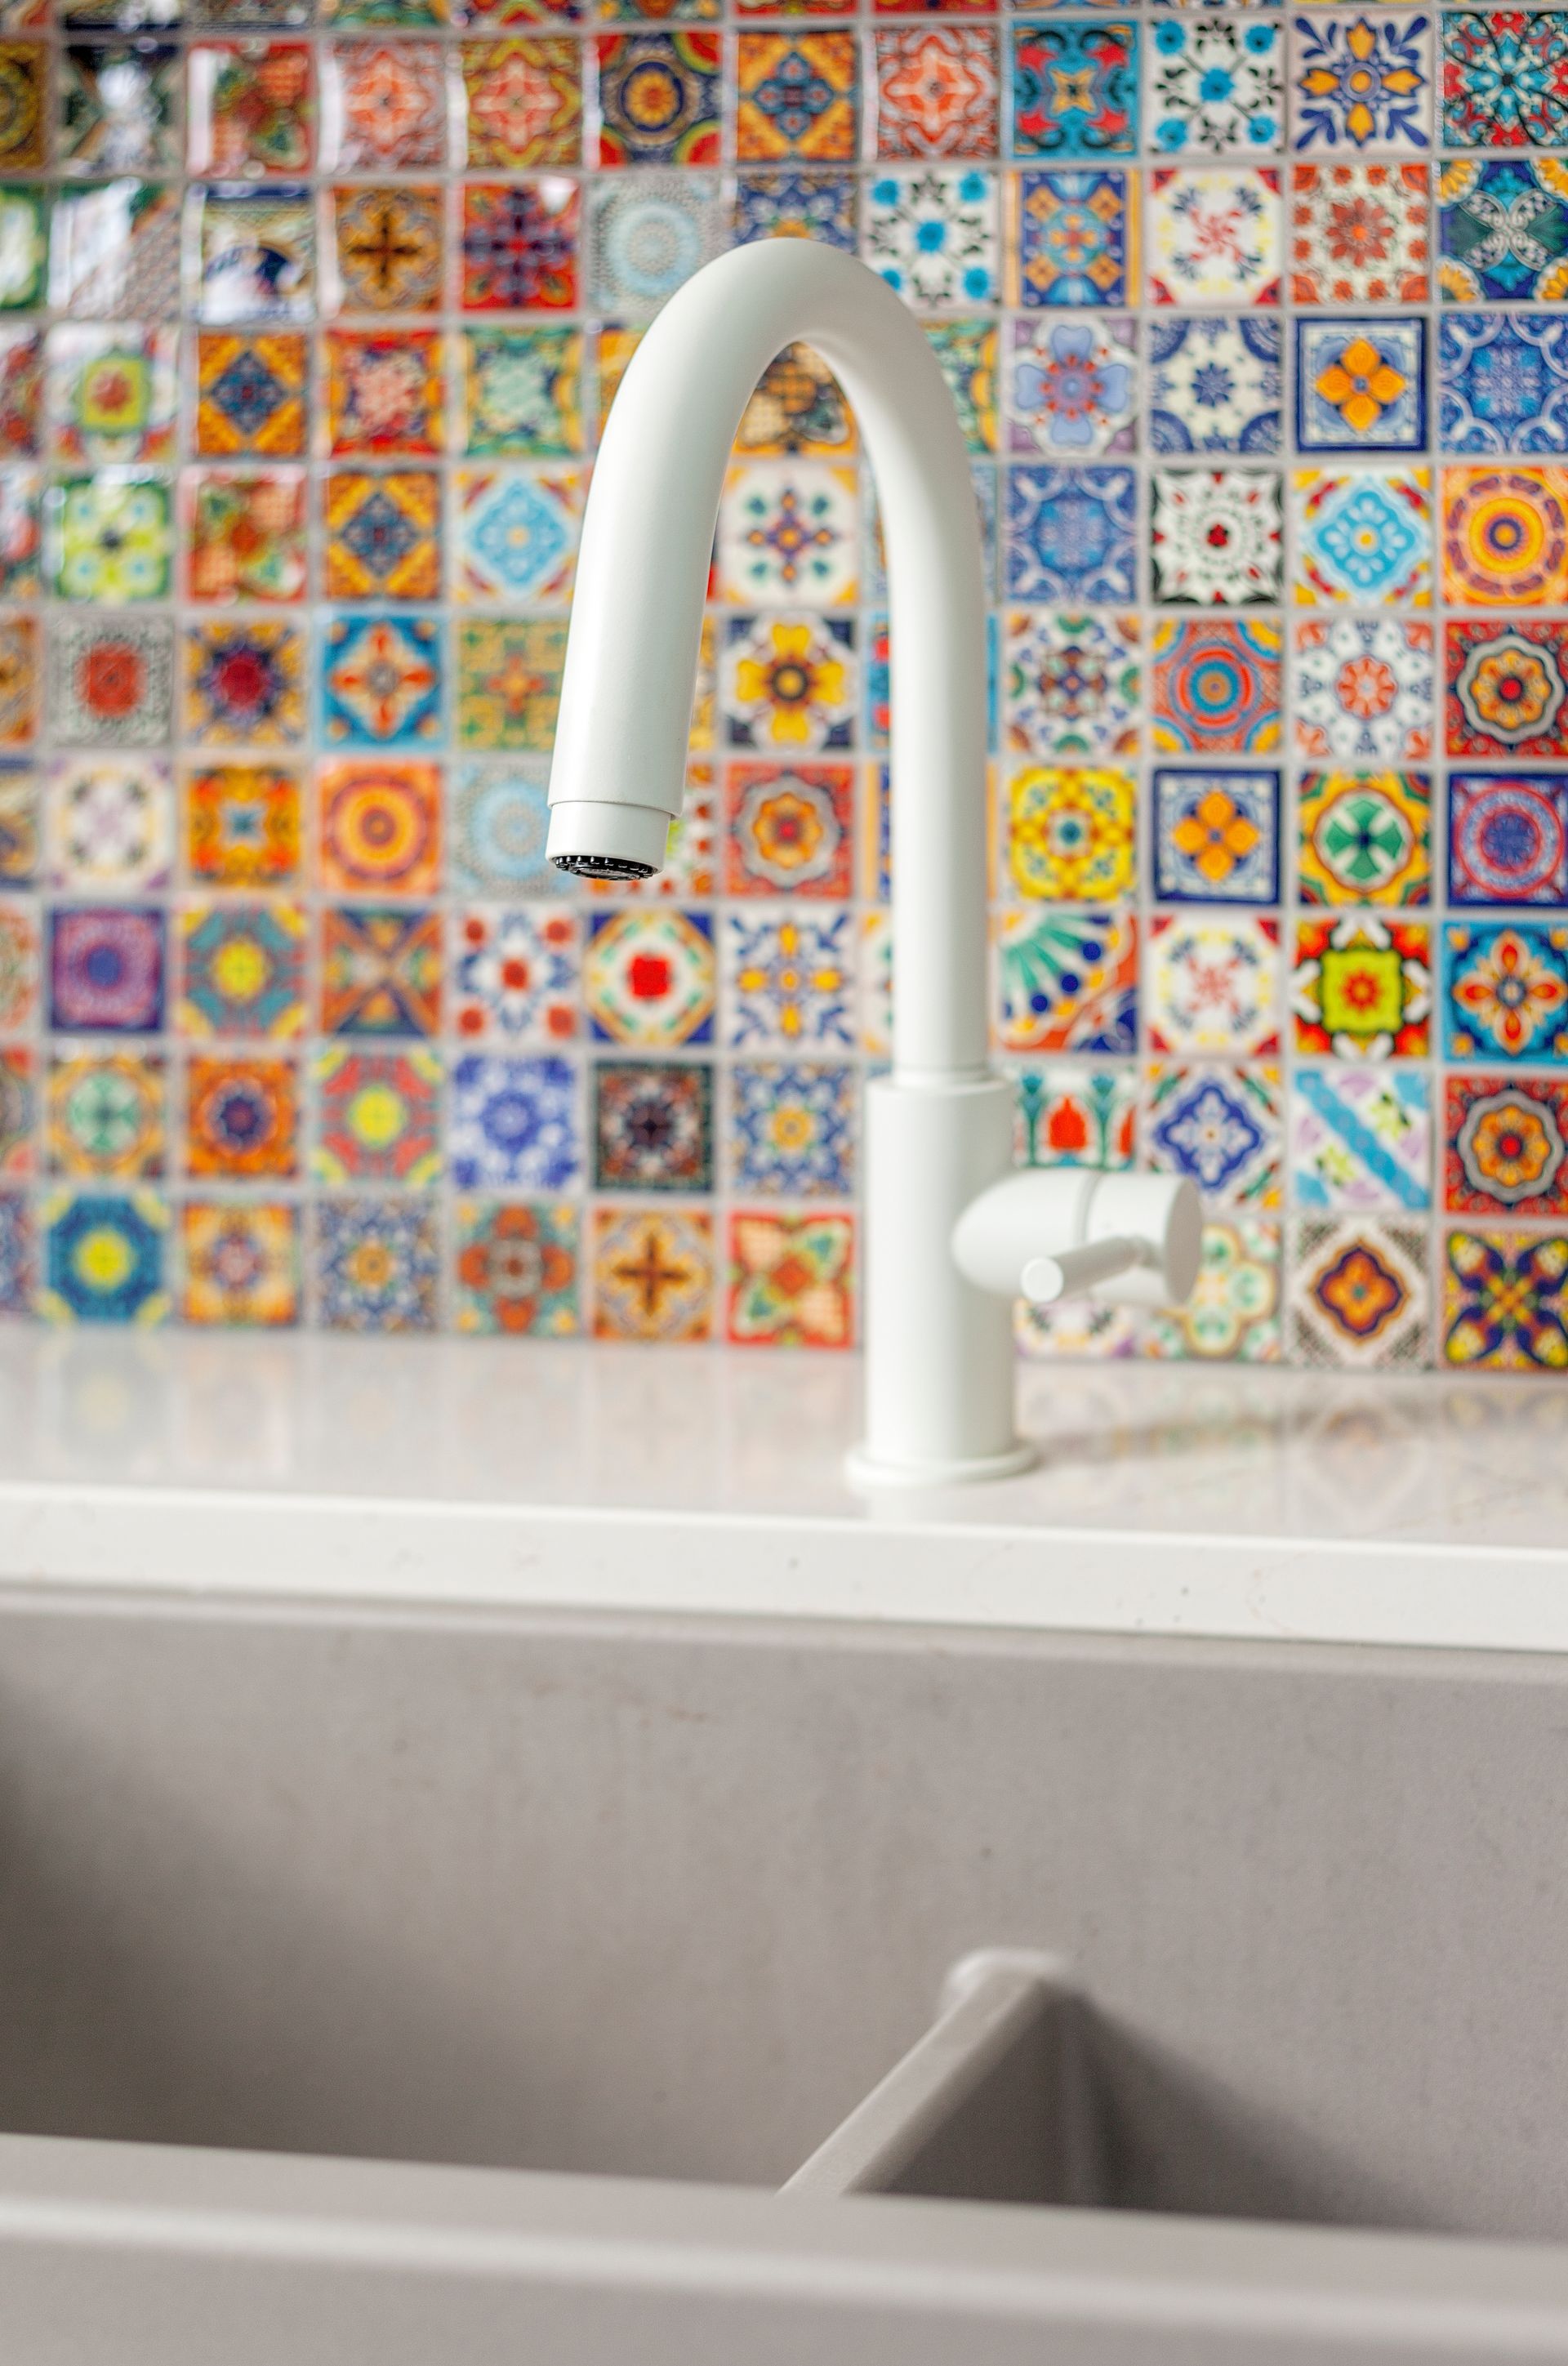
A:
[867, 1471]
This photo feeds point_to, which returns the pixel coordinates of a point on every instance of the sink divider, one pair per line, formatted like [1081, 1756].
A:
[990, 2104]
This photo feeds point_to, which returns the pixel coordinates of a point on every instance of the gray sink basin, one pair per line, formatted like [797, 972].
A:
[409, 1985]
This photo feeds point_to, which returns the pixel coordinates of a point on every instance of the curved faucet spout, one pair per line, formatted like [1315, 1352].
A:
[642, 577]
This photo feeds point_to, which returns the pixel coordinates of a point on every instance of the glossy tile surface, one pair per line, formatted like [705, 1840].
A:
[310, 319]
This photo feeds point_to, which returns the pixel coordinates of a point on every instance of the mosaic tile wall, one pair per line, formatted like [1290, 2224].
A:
[1255, 323]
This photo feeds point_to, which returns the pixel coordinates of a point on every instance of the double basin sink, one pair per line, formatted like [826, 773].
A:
[416, 1984]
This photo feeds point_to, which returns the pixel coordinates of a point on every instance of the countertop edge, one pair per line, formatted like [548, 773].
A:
[321, 1548]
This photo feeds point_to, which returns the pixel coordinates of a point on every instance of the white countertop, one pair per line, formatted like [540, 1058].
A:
[1220, 1500]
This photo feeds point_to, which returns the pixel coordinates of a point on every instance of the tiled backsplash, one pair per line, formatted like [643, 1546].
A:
[1256, 324]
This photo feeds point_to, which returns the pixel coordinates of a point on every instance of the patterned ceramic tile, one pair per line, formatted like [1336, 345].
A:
[1361, 1139]
[788, 531]
[936, 91]
[257, 256]
[1359, 1295]
[241, 1263]
[391, 247]
[1505, 1301]
[382, 682]
[1503, 383]
[519, 249]
[1506, 1150]
[375, 1264]
[790, 828]
[647, 235]
[1070, 683]
[652, 1127]
[110, 680]
[1070, 534]
[508, 681]
[1220, 1126]
[797, 98]
[1067, 983]
[517, 1268]
[791, 1280]
[653, 1274]
[521, 393]
[17, 1254]
[382, 972]
[384, 106]
[658, 98]
[109, 824]
[515, 1123]
[243, 686]
[1075, 239]
[1218, 687]
[1359, 232]
[1214, 385]
[246, 535]
[1216, 87]
[242, 969]
[1212, 985]
[1505, 540]
[107, 969]
[650, 978]
[106, 1115]
[386, 393]
[243, 1119]
[1361, 988]
[383, 535]
[1364, 838]
[111, 539]
[1069, 834]
[251, 109]
[1216, 537]
[788, 978]
[795, 205]
[1363, 688]
[789, 682]
[1075, 89]
[523, 103]
[1362, 536]
[515, 974]
[250, 393]
[792, 1128]
[1508, 839]
[104, 1257]
[1233, 1316]
[933, 232]
[516, 533]
[113, 394]
[1506, 993]
[1361, 385]
[1216, 836]
[1503, 231]
[117, 107]
[1362, 80]
[1503, 76]
[377, 1116]
[1066, 1115]
[1507, 688]
[1214, 235]
[1071, 386]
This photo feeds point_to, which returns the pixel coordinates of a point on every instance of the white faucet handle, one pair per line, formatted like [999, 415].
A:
[1070, 1272]
[1051, 1233]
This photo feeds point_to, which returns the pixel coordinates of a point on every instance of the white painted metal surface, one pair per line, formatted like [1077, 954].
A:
[938, 1406]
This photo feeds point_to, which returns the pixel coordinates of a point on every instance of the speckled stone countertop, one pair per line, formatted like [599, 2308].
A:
[1228, 1502]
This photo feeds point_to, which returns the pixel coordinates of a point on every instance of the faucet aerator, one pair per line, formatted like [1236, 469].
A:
[601, 866]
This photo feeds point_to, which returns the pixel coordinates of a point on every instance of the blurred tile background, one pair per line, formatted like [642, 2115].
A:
[309, 324]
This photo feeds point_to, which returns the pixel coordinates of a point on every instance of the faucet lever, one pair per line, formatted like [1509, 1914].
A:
[1057, 1232]
[1070, 1271]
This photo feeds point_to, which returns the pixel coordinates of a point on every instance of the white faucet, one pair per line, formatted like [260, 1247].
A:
[953, 1234]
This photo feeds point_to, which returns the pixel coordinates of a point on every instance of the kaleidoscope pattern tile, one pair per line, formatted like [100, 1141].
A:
[310, 324]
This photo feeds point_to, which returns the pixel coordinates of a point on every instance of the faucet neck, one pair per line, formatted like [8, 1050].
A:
[642, 580]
